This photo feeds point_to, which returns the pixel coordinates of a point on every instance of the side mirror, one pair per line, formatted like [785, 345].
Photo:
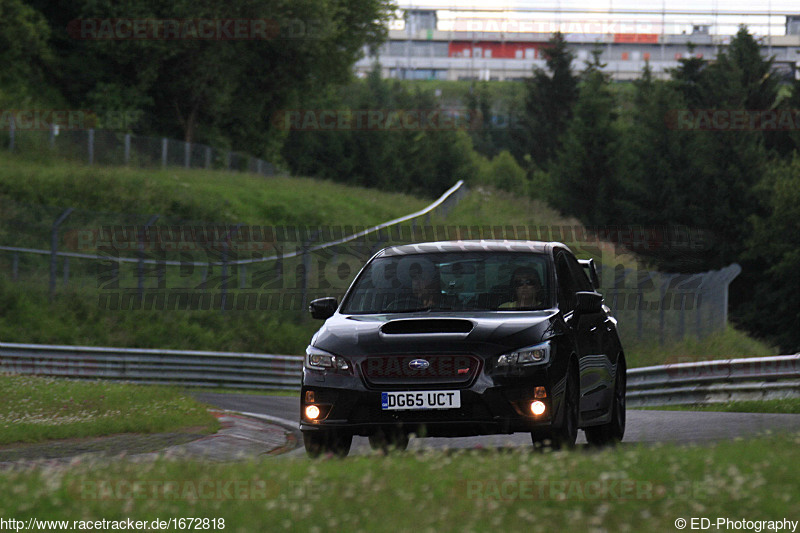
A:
[591, 271]
[323, 308]
[588, 302]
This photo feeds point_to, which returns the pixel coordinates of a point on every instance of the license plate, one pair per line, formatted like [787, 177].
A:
[434, 399]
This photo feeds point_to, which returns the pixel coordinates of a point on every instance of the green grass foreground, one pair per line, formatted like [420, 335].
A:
[36, 409]
[630, 488]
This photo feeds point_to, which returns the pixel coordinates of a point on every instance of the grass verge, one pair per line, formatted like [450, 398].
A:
[631, 488]
[729, 343]
[36, 409]
[785, 405]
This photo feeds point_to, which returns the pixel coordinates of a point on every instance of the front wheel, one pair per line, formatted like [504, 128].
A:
[388, 441]
[612, 432]
[566, 435]
[327, 441]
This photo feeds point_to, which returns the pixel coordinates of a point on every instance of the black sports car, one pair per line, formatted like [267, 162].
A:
[465, 338]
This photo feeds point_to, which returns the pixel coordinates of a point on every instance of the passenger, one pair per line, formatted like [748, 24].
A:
[526, 288]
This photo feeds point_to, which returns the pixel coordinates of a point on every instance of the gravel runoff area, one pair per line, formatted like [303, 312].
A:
[240, 437]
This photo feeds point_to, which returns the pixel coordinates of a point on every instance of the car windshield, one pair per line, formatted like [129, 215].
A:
[479, 281]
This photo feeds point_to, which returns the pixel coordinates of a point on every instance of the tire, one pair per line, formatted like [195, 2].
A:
[612, 432]
[566, 435]
[388, 441]
[327, 441]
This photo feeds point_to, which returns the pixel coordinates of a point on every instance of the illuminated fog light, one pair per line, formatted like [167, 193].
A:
[312, 412]
[537, 408]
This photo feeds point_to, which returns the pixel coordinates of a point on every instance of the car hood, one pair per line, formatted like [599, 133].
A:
[483, 334]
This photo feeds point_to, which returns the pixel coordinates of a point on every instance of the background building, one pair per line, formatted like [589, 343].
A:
[475, 45]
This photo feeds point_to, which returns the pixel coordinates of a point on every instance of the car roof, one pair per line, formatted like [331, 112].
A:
[469, 246]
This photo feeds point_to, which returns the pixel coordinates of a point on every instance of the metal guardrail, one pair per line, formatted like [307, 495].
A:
[757, 378]
[454, 192]
[682, 383]
[154, 366]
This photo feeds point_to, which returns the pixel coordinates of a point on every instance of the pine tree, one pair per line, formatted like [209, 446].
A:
[550, 98]
[584, 172]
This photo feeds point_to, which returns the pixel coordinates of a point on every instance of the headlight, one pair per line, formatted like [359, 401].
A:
[532, 355]
[320, 359]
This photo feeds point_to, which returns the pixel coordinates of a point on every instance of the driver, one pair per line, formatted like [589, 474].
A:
[426, 288]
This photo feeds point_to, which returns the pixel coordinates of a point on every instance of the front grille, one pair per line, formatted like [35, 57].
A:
[397, 370]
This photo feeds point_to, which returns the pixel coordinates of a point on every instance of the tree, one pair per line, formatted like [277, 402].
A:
[422, 158]
[585, 168]
[24, 53]
[479, 107]
[690, 79]
[742, 77]
[772, 257]
[549, 102]
[215, 89]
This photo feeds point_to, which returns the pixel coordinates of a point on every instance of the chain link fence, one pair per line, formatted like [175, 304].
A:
[152, 262]
[107, 147]
[136, 261]
[655, 305]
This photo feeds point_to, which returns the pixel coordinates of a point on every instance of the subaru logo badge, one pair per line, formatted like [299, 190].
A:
[418, 364]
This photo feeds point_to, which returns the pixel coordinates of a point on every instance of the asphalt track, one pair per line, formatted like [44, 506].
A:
[642, 426]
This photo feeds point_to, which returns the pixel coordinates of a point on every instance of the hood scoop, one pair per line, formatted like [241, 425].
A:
[427, 325]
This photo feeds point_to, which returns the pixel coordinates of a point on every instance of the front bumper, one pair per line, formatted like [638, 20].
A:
[488, 406]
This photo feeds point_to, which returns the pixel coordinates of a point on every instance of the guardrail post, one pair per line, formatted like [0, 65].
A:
[187, 154]
[164, 148]
[54, 250]
[127, 148]
[208, 157]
